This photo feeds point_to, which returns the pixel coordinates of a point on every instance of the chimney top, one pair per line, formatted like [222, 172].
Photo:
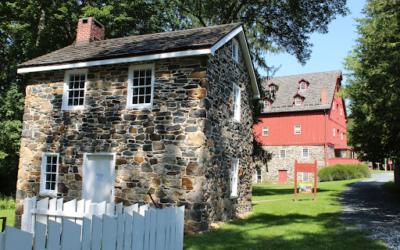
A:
[89, 30]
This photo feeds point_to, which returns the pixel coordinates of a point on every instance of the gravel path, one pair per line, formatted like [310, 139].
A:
[369, 207]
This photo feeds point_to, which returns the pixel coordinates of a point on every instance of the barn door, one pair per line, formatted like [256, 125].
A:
[282, 176]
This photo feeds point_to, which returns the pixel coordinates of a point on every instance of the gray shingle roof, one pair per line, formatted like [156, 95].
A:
[289, 87]
[136, 45]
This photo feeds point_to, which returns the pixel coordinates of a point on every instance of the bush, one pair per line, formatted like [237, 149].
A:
[7, 203]
[343, 172]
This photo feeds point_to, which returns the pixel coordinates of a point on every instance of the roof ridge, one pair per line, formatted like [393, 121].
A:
[304, 74]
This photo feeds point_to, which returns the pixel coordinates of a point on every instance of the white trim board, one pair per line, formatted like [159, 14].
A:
[211, 51]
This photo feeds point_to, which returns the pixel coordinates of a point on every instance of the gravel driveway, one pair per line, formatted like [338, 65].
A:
[369, 207]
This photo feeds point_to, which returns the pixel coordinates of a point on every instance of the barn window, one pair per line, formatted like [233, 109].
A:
[236, 103]
[297, 101]
[234, 177]
[74, 89]
[305, 153]
[49, 174]
[282, 153]
[297, 129]
[235, 50]
[265, 131]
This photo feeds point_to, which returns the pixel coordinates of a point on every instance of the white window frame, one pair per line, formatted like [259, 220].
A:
[297, 101]
[236, 105]
[334, 131]
[129, 104]
[280, 153]
[264, 129]
[299, 126]
[307, 150]
[66, 89]
[43, 189]
[303, 84]
[235, 52]
[272, 88]
[341, 111]
[333, 105]
[266, 104]
[234, 178]
[341, 136]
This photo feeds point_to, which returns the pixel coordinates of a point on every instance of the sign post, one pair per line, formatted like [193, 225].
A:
[305, 168]
[390, 163]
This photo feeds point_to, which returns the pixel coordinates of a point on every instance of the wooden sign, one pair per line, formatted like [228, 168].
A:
[305, 168]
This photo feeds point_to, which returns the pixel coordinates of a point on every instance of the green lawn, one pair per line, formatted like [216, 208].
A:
[286, 224]
[380, 172]
[10, 216]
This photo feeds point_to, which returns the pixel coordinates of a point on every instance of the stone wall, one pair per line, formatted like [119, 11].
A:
[179, 150]
[292, 153]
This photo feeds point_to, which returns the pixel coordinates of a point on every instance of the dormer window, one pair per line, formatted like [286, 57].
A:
[298, 100]
[272, 88]
[303, 85]
[267, 103]
[235, 50]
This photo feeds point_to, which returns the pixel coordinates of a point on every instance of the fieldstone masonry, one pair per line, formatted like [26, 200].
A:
[316, 153]
[180, 150]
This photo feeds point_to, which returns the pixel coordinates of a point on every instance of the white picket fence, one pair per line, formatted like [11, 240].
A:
[54, 225]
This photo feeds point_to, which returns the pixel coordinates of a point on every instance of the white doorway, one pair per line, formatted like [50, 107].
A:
[98, 177]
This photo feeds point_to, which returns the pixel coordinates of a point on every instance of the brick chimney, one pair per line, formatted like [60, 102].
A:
[323, 96]
[89, 30]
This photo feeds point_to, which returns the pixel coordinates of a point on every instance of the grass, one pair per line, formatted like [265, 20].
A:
[380, 172]
[10, 214]
[7, 203]
[391, 187]
[285, 224]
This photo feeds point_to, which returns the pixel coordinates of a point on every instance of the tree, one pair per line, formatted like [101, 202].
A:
[30, 28]
[374, 82]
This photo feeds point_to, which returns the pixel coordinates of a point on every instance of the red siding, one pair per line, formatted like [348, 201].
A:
[281, 128]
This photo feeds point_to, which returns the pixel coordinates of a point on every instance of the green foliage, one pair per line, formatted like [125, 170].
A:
[374, 83]
[7, 203]
[343, 172]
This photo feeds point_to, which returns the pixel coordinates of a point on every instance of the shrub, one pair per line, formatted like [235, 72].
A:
[7, 203]
[343, 172]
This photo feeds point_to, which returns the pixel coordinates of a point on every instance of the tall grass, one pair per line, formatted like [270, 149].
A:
[7, 203]
[343, 172]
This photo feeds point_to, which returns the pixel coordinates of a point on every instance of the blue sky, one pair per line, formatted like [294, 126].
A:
[329, 49]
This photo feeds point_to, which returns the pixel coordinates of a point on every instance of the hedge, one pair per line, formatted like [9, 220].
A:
[343, 172]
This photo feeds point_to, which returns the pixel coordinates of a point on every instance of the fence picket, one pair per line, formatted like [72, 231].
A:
[111, 208]
[39, 241]
[70, 206]
[153, 227]
[180, 222]
[118, 208]
[60, 203]
[52, 207]
[161, 221]
[120, 230]
[168, 227]
[147, 219]
[80, 208]
[27, 216]
[2, 240]
[138, 232]
[109, 237]
[96, 232]
[71, 235]
[143, 208]
[43, 204]
[101, 208]
[53, 238]
[93, 208]
[87, 206]
[173, 227]
[17, 239]
[128, 231]
[86, 226]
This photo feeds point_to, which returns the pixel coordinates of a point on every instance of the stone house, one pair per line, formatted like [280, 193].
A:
[302, 119]
[168, 114]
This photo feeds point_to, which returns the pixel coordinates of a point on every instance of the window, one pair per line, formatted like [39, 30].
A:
[303, 86]
[49, 175]
[259, 176]
[297, 129]
[74, 89]
[334, 132]
[265, 131]
[297, 101]
[235, 50]
[141, 86]
[282, 153]
[333, 105]
[305, 152]
[272, 89]
[236, 103]
[341, 111]
[234, 177]
[341, 136]
[266, 104]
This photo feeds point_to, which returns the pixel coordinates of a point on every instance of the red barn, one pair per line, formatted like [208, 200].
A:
[302, 119]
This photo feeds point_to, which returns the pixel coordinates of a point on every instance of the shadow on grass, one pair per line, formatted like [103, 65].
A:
[265, 231]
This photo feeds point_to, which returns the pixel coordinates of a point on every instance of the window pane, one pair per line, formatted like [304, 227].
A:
[53, 186]
[81, 101]
[148, 99]
[48, 185]
[70, 102]
[135, 91]
[54, 168]
[135, 82]
[141, 91]
[148, 81]
[48, 177]
[142, 73]
[141, 99]
[70, 94]
[135, 100]
[136, 73]
[148, 72]
[75, 102]
[141, 81]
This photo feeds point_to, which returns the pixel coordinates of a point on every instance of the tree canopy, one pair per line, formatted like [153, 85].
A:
[30, 28]
[374, 82]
